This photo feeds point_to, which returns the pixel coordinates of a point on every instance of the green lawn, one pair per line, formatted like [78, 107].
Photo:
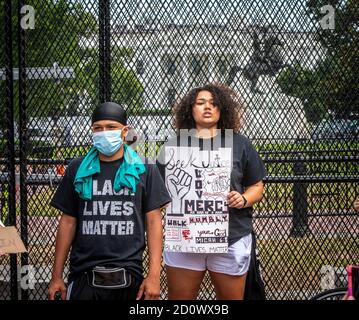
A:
[289, 264]
[277, 198]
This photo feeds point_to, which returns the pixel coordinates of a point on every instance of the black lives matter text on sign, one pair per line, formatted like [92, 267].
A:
[198, 182]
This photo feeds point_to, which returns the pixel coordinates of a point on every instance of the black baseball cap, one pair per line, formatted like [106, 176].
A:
[110, 111]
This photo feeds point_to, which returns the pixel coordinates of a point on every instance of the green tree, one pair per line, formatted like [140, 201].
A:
[63, 32]
[333, 86]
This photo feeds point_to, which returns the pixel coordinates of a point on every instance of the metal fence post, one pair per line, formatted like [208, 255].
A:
[300, 202]
[10, 137]
[104, 51]
[23, 144]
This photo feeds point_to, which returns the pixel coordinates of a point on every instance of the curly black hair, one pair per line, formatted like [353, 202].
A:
[226, 99]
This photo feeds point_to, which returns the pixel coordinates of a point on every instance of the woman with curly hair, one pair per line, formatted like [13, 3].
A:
[207, 112]
[228, 109]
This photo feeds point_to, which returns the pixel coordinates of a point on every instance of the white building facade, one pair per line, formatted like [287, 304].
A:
[171, 59]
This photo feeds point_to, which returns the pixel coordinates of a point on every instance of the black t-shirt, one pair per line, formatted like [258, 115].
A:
[111, 227]
[247, 169]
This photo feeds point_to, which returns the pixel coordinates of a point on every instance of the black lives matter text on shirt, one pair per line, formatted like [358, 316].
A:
[118, 212]
[111, 227]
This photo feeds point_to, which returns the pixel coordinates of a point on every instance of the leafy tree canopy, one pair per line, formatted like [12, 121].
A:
[333, 86]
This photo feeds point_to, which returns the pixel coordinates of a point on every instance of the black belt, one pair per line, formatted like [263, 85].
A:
[109, 278]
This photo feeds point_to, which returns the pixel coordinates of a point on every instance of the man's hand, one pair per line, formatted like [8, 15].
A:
[57, 285]
[150, 287]
[235, 200]
[65, 235]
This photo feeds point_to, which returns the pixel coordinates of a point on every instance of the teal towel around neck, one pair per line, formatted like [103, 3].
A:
[127, 175]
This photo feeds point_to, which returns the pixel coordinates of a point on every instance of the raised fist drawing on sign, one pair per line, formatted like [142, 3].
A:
[178, 185]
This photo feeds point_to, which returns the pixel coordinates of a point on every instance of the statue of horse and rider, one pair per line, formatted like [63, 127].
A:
[266, 59]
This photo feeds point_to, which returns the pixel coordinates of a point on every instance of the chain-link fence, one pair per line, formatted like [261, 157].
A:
[295, 63]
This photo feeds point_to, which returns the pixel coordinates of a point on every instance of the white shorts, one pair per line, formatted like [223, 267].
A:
[235, 262]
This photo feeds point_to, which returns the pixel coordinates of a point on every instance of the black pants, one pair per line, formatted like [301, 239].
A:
[80, 289]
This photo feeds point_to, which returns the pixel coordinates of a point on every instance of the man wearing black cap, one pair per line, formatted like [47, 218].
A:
[109, 198]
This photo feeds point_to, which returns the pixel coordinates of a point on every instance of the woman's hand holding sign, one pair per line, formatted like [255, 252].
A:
[236, 200]
[253, 194]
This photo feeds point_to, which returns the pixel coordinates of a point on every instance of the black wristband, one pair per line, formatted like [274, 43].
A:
[245, 201]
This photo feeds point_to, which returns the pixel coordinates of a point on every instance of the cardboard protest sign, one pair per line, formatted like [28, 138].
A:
[198, 182]
[10, 241]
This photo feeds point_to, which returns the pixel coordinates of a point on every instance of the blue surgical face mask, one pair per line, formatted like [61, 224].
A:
[107, 142]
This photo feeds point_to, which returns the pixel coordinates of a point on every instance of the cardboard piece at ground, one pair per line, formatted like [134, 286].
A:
[10, 241]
